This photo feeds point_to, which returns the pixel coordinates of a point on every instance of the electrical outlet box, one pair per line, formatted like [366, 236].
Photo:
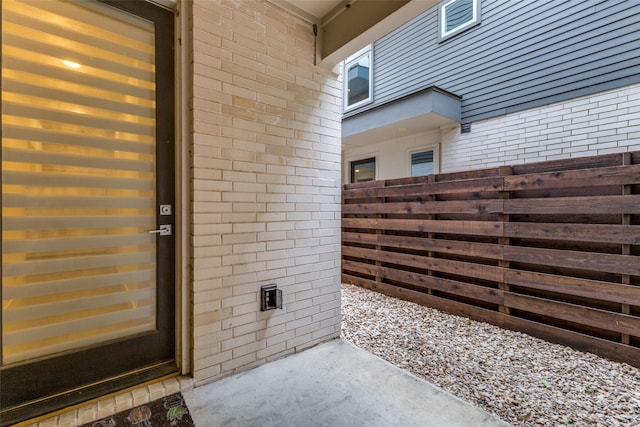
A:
[270, 297]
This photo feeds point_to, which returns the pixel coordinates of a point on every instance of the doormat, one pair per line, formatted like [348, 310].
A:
[170, 411]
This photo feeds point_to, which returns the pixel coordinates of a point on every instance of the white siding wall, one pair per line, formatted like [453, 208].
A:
[266, 187]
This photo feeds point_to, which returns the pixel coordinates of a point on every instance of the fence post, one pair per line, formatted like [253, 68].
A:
[431, 197]
[504, 241]
[380, 231]
[626, 248]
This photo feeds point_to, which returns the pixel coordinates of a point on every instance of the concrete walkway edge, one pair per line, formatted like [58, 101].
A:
[333, 384]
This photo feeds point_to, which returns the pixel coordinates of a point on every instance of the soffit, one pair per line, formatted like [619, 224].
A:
[426, 110]
[316, 8]
[346, 26]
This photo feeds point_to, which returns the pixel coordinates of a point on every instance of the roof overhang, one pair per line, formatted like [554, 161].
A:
[346, 26]
[429, 109]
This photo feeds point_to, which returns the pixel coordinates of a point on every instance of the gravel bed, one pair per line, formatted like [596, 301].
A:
[521, 379]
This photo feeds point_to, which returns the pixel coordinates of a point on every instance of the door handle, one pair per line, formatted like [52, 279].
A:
[164, 230]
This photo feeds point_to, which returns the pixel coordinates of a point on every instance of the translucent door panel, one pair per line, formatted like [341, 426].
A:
[78, 177]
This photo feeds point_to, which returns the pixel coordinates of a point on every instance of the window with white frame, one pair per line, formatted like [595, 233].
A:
[424, 162]
[456, 15]
[357, 79]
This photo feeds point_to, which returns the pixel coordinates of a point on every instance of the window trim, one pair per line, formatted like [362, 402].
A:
[477, 15]
[367, 50]
[421, 149]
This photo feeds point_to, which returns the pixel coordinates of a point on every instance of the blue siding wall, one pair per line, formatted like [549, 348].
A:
[522, 55]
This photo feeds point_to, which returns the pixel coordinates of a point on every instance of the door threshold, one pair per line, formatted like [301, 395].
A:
[113, 403]
[91, 394]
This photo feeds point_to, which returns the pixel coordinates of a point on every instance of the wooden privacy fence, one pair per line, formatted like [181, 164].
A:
[551, 249]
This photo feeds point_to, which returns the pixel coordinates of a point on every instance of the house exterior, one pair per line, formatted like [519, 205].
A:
[471, 84]
[162, 161]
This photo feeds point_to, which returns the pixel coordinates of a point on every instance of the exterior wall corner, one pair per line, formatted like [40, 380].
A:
[265, 170]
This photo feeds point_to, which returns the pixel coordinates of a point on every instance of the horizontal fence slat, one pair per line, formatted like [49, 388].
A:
[603, 233]
[577, 163]
[574, 205]
[479, 271]
[602, 319]
[483, 250]
[589, 261]
[473, 228]
[491, 295]
[617, 175]
[477, 207]
[594, 289]
[481, 185]
[579, 341]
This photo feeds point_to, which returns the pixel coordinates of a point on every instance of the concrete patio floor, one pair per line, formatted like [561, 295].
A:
[334, 384]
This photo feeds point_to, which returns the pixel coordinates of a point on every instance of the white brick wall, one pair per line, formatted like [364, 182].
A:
[266, 187]
[608, 122]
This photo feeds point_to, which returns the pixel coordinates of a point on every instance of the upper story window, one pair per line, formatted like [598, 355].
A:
[456, 15]
[357, 79]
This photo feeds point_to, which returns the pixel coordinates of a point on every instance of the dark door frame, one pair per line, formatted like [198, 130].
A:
[37, 388]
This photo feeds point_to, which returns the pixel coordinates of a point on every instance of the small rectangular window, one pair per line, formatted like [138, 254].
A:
[422, 163]
[456, 15]
[363, 170]
[357, 79]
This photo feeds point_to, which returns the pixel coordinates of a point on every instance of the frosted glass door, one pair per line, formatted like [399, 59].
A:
[78, 177]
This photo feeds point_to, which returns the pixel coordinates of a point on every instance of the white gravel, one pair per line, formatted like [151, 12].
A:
[523, 380]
